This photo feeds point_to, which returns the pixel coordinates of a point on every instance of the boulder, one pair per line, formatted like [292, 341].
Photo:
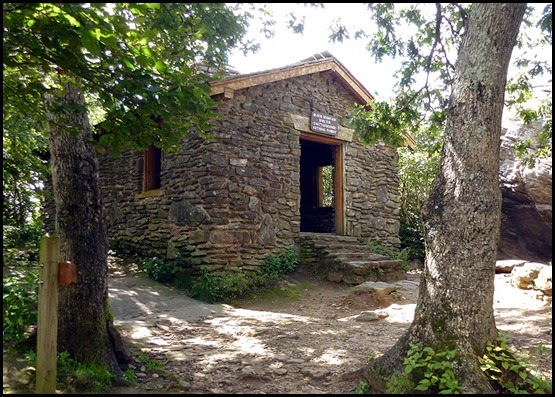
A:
[543, 281]
[507, 265]
[378, 287]
[526, 219]
[524, 276]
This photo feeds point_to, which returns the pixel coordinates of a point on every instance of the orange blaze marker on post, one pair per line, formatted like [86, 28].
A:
[67, 273]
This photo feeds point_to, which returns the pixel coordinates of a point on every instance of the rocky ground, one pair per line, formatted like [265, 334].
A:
[309, 337]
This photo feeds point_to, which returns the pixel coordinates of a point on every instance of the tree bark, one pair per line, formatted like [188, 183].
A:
[85, 328]
[462, 213]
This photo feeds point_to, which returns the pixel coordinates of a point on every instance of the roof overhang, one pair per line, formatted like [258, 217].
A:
[227, 86]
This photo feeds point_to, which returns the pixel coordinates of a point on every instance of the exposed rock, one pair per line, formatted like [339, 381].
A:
[280, 371]
[543, 281]
[523, 276]
[367, 316]
[371, 315]
[315, 373]
[526, 219]
[376, 286]
[507, 265]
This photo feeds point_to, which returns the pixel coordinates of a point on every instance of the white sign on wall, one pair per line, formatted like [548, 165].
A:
[324, 123]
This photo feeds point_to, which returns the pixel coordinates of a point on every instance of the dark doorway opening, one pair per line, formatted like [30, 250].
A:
[318, 187]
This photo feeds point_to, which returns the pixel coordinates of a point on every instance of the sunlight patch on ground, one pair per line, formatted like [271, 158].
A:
[307, 350]
[270, 316]
[202, 342]
[349, 318]
[400, 313]
[131, 296]
[227, 326]
[173, 320]
[226, 355]
[331, 357]
[143, 307]
[119, 292]
[250, 345]
[243, 334]
[326, 332]
[141, 332]
[123, 292]
[138, 331]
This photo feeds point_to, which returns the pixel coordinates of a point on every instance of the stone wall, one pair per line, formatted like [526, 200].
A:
[372, 193]
[233, 201]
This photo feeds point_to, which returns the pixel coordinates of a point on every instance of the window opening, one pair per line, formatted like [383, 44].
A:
[325, 186]
[152, 166]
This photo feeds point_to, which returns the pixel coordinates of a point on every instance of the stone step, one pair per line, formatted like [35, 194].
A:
[364, 267]
[357, 272]
[326, 237]
[341, 246]
[360, 255]
[348, 259]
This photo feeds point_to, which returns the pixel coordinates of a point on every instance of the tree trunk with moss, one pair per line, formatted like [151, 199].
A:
[462, 214]
[85, 325]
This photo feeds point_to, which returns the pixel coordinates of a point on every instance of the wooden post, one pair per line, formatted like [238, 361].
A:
[47, 324]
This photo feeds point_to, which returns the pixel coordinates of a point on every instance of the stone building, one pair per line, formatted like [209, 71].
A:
[283, 163]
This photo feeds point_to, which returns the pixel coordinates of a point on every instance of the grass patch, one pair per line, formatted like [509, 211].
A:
[277, 292]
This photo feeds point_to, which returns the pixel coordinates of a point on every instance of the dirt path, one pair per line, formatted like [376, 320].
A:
[311, 337]
[313, 343]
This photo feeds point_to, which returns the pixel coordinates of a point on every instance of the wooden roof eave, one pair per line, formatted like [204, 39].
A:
[328, 65]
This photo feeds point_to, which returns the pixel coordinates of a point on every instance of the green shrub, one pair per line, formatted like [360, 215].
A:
[166, 271]
[20, 303]
[509, 374]
[434, 373]
[26, 237]
[157, 269]
[225, 286]
[431, 369]
[276, 266]
[362, 387]
[221, 286]
[412, 242]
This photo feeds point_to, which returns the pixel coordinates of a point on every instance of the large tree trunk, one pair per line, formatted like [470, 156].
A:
[462, 214]
[85, 324]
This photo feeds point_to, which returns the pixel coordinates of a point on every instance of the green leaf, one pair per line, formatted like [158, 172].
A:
[89, 41]
[515, 367]
[127, 62]
[72, 20]
[110, 40]
[160, 67]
